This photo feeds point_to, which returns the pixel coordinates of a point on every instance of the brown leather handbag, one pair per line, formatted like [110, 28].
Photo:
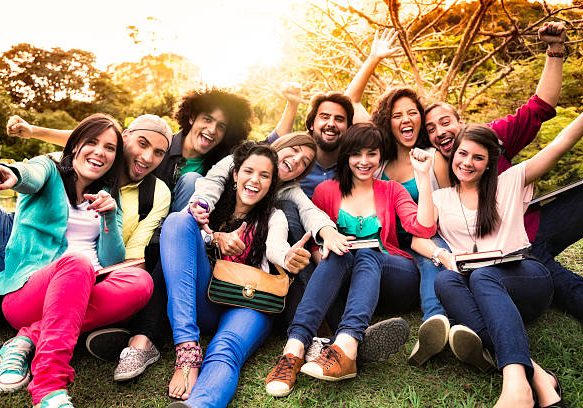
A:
[236, 284]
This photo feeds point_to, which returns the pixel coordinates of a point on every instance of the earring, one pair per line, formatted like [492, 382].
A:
[488, 168]
[235, 186]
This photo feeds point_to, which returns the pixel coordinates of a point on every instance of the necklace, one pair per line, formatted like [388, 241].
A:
[473, 238]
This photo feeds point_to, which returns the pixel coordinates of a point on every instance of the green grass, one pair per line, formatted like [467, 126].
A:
[556, 343]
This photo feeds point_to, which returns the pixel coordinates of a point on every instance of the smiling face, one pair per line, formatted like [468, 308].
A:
[94, 157]
[405, 122]
[207, 131]
[469, 162]
[329, 125]
[293, 161]
[253, 181]
[364, 163]
[143, 152]
[442, 127]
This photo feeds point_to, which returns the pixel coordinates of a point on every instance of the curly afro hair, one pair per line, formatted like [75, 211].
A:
[236, 108]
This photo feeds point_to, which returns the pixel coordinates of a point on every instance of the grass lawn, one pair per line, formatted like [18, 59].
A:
[556, 343]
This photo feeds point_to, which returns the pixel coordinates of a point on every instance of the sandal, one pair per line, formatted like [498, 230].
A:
[188, 356]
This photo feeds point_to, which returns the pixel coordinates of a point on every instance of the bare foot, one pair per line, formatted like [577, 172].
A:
[516, 391]
[181, 384]
[188, 361]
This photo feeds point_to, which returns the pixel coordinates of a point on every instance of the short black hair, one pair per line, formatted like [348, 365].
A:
[335, 97]
[357, 137]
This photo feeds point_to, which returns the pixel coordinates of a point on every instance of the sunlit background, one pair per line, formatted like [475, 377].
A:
[223, 37]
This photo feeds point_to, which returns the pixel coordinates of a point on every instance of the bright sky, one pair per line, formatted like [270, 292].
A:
[223, 37]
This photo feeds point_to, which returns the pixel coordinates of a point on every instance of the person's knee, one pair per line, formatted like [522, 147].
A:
[77, 265]
[176, 223]
[140, 285]
[443, 281]
[187, 182]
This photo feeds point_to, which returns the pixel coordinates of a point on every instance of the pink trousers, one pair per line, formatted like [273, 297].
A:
[60, 301]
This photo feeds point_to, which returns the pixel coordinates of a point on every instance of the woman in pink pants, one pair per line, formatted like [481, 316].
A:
[67, 226]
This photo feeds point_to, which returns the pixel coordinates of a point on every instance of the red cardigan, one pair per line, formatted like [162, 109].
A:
[391, 199]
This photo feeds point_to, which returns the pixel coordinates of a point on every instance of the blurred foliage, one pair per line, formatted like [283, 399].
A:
[329, 40]
[570, 166]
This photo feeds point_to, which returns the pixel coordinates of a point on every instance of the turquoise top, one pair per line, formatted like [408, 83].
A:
[40, 223]
[195, 165]
[411, 187]
[360, 227]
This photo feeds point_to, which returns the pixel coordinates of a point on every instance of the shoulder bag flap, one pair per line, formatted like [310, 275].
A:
[245, 275]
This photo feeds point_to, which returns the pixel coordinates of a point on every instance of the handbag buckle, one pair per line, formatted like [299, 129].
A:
[248, 292]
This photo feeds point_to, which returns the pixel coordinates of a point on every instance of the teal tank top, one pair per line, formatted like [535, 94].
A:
[360, 227]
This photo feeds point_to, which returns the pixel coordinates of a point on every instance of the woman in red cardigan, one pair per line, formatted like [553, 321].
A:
[366, 208]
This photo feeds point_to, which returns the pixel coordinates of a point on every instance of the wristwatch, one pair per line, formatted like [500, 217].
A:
[208, 239]
[435, 256]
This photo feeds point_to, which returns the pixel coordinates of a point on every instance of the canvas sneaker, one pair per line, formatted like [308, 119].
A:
[280, 381]
[56, 399]
[133, 362]
[331, 365]
[107, 344]
[467, 346]
[315, 348]
[14, 363]
[432, 339]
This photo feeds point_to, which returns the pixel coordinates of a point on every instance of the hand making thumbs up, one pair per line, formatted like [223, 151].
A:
[231, 243]
[298, 257]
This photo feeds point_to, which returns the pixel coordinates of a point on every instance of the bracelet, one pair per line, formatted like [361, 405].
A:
[435, 256]
[555, 54]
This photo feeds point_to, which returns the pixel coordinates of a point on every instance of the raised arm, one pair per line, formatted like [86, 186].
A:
[549, 84]
[421, 162]
[544, 160]
[18, 127]
[381, 48]
[292, 93]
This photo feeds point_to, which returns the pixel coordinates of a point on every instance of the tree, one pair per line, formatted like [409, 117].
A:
[451, 51]
[55, 79]
[37, 78]
[157, 74]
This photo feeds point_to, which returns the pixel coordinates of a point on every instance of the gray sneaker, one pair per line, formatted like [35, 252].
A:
[383, 339]
[315, 348]
[133, 362]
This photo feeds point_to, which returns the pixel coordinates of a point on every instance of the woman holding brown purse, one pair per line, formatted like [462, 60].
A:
[249, 230]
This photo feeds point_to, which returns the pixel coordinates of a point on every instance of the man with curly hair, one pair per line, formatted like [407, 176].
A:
[212, 122]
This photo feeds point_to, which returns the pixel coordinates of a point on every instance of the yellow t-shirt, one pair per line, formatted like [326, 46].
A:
[136, 234]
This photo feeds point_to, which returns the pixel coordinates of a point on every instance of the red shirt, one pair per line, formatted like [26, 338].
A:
[391, 200]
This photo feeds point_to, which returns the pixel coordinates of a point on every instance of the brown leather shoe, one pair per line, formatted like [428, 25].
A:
[280, 381]
[331, 365]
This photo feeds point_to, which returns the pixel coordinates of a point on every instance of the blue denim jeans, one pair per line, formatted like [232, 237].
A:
[239, 331]
[495, 301]
[298, 287]
[430, 305]
[561, 224]
[6, 220]
[364, 271]
[183, 190]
